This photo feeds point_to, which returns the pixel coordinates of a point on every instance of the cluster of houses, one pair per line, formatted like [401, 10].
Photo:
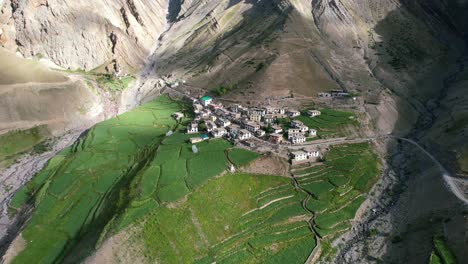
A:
[241, 123]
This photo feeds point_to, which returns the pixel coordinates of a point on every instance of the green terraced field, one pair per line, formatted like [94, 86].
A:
[121, 170]
[330, 123]
[338, 188]
[240, 157]
[237, 218]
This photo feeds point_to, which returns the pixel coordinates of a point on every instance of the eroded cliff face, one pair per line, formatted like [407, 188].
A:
[84, 34]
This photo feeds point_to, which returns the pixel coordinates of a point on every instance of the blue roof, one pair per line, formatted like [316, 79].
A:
[204, 136]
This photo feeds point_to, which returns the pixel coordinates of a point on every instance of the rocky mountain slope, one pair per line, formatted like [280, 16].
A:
[404, 58]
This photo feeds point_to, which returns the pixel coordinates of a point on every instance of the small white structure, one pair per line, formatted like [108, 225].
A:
[169, 133]
[294, 113]
[244, 134]
[297, 139]
[196, 140]
[312, 132]
[219, 132]
[194, 149]
[260, 133]
[192, 128]
[299, 155]
[178, 115]
[314, 113]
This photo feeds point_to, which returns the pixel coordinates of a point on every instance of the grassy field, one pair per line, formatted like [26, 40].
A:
[84, 186]
[15, 143]
[331, 123]
[338, 188]
[237, 218]
[121, 170]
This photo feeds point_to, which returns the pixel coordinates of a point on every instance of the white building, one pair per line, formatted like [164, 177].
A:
[196, 140]
[269, 118]
[312, 132]
[254, 117]
[252, 127]
[303, 128]
[296, 123]
[294, 113]
[192, 128]
[244, 134]
[299, 155]
[294, 131]
[314, 113]
[313, 153]
[219, 132]
[298, 139]
[223, 122]
[277, 129]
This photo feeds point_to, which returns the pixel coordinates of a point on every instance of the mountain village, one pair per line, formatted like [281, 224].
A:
[239, 124]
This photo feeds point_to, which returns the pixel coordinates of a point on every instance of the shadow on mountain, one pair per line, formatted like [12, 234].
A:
[424, 65]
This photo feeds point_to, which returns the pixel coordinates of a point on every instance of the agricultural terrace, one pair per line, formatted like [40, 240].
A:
[331, 123]
[338, 188]
[236, 218]
[96, 179]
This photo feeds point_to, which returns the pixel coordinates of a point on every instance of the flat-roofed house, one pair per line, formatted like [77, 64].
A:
[277, 129]
[293, 113]
[254, 117]
[314, 113]
[223, 122]
[294, 131]
[299, 155]
[192, 128]
[269, 118]
[313, 153]
[244, 134]
[219, 132]
[252, 127]
[297, 139]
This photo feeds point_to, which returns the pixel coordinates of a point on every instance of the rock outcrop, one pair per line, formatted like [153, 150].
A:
[84, 34]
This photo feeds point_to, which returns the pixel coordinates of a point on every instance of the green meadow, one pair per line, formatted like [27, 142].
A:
[331, 123]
